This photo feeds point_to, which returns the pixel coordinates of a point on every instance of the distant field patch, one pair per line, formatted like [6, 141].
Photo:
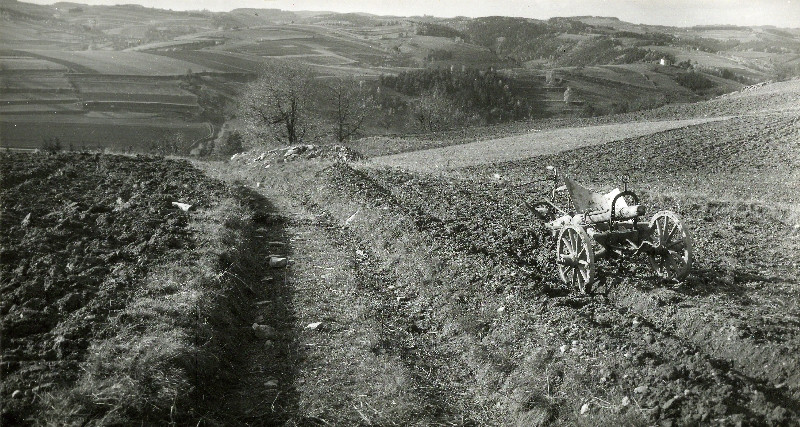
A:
[122, 63]
[34, 82]
[40, 108]
[742, 35]
[36, 98]
[223, 61]
[105, 89]
[622, 75]
[17, 64]
[358, 51]
[278, 48]
[327, 60]
[132, 132]
[281, 42]
[525, 146]
[705, 59]
[266, 34]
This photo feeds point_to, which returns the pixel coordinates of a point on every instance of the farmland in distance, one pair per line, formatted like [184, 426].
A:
[78, 60]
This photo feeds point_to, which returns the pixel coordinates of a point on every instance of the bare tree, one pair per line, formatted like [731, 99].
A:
[434, 112]
[278, 103]
[550, 79]
[352, 103]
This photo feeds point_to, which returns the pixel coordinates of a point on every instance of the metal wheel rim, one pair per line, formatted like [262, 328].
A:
[575, 258]
[671, 235]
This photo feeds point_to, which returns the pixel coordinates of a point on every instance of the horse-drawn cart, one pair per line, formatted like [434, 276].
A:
[611, 224]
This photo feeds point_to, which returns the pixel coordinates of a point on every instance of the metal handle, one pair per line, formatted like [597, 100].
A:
[614, 205]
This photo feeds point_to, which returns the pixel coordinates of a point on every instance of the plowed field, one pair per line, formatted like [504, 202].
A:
[79, 235]
[454, 285]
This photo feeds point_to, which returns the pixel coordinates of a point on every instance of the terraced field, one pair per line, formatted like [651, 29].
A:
[127, 132]
[225, 61]
[20, 64]
[92, 88]
[44, 98]
[35, 82]
[119, 63]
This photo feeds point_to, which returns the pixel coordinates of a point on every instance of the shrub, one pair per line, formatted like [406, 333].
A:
[51, 145]
[233, 144]
[694, 81]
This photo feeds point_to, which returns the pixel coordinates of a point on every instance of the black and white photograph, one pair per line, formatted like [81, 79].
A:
[415, 213]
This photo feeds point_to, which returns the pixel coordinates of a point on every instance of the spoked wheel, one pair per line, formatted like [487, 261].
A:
[575, 258]
[671, 257]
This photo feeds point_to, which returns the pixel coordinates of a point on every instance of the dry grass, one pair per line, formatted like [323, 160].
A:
[159, 357]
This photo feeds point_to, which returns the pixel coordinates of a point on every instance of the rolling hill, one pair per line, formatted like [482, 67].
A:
[50, 54]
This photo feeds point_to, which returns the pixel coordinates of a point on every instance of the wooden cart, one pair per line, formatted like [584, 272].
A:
[592, 225]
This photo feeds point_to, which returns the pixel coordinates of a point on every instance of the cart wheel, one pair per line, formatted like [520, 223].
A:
[672, 254]
[575, 258]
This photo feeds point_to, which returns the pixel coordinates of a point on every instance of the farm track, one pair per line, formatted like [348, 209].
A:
[400, 338]
[362, 365]
[706, 373]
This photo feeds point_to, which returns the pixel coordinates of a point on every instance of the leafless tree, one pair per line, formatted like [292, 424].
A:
[351, 103]
[434, 112]
[278, 105]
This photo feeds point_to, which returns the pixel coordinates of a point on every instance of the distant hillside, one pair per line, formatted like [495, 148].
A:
[584, 41]
[73, 60]
[253, 17]
[760, 53]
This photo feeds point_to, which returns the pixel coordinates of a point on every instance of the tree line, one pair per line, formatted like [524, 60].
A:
[484, 94]
[290, 104]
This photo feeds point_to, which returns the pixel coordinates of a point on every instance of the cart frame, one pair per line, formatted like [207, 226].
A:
[592, 226]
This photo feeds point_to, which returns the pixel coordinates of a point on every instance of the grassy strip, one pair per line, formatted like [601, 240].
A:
[161, 355]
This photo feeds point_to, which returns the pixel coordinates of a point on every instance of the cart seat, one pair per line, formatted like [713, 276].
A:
[586, 200]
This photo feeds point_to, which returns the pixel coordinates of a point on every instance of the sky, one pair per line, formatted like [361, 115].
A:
[781, 13]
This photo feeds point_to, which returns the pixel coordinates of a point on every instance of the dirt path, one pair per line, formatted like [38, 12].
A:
[338, 351]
